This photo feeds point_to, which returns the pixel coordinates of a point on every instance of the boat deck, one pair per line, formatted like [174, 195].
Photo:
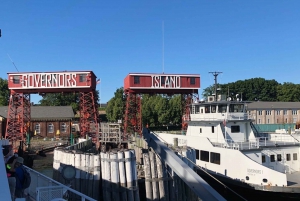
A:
[293, 179]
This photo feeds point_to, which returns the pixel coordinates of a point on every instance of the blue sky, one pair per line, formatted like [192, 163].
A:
[242, 39]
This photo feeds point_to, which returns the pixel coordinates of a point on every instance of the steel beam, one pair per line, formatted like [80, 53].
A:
[202, 189]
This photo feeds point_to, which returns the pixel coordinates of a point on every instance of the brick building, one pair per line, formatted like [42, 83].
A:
[46, 121]
[274, 112]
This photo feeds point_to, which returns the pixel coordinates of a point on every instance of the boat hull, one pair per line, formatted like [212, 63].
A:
[246, 191]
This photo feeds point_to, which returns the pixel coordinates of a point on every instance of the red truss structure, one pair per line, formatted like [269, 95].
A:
[21, 85]
[89, 115]
[133, 114]
[144, 83]
[18, 117]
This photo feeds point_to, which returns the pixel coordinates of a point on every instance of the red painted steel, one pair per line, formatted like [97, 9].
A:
[152, 83]
[22, 84]
[89, 116]
[18, 118]
[133, 114]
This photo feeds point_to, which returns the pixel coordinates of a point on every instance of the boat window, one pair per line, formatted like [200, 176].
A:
[197, 109]
[207, 109]
[197, 154]
[192, 81]
[222, 108]
[288, 157]
[213, 109]
[278, 157]
[200, 130]
[247, 178]
[263, 158]
[215, 158]
[272, 158]
[213, 129]
[294, 156]
[235, 129]
[201, 110]
[236, 108]
[204, 155]
[265, 180]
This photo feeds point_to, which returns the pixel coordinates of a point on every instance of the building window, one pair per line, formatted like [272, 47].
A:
[259, 112]
[278, 112]
[213, 129]
[213, 109]
[268, 112]
[288, 157]
[235, 129]
[259, 122]
[82, 78]
[276, 120]
[285, 120]
[294, 112]
[278, 157]
[192, 81]
[204, 155]
[263, 158]
[268, 121]
[215, 158]
[272, 158]
[63, 127]
[50, 128]
[136, 79]
[285, 112]
[37, 128]
[16, 79]
[294, 156]
[294, 120]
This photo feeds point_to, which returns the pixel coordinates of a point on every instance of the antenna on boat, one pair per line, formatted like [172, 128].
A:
[215, 74]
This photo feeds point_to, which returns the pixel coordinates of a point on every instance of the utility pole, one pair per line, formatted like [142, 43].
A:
[215, 74]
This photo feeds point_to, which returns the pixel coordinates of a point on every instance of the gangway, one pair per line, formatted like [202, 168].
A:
[200, 187]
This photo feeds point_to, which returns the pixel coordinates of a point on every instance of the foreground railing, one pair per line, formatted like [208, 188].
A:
[43, 188]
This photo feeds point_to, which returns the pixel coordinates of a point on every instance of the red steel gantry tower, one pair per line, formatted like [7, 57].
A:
[21, 85]
[146, 83]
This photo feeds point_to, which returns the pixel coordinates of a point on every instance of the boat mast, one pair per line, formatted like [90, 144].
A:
[215, 74]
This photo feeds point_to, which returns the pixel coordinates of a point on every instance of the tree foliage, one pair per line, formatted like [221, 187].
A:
[4, 92]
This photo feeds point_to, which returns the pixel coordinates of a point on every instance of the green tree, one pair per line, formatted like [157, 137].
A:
[288, 92]
[115, 106]
[175, 110]
[4, 92]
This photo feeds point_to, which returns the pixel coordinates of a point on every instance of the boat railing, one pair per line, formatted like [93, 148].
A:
[221, 117]
[45, 188]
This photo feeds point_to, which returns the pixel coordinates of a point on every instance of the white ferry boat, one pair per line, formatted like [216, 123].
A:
[229, 147]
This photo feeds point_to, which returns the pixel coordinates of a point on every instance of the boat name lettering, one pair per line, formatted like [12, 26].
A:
[48, 80]
[165, 81]
[254, 171]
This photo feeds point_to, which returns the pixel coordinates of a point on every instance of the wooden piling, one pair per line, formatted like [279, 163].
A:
[134, 176]
[107, 178]
[123, 194]
[129, 175]
[162, 195]
[154, 176]
[96, 177]
[115, 176]
[148, 183]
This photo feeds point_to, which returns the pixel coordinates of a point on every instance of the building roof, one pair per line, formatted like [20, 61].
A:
[45, 112]
[273, 105]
